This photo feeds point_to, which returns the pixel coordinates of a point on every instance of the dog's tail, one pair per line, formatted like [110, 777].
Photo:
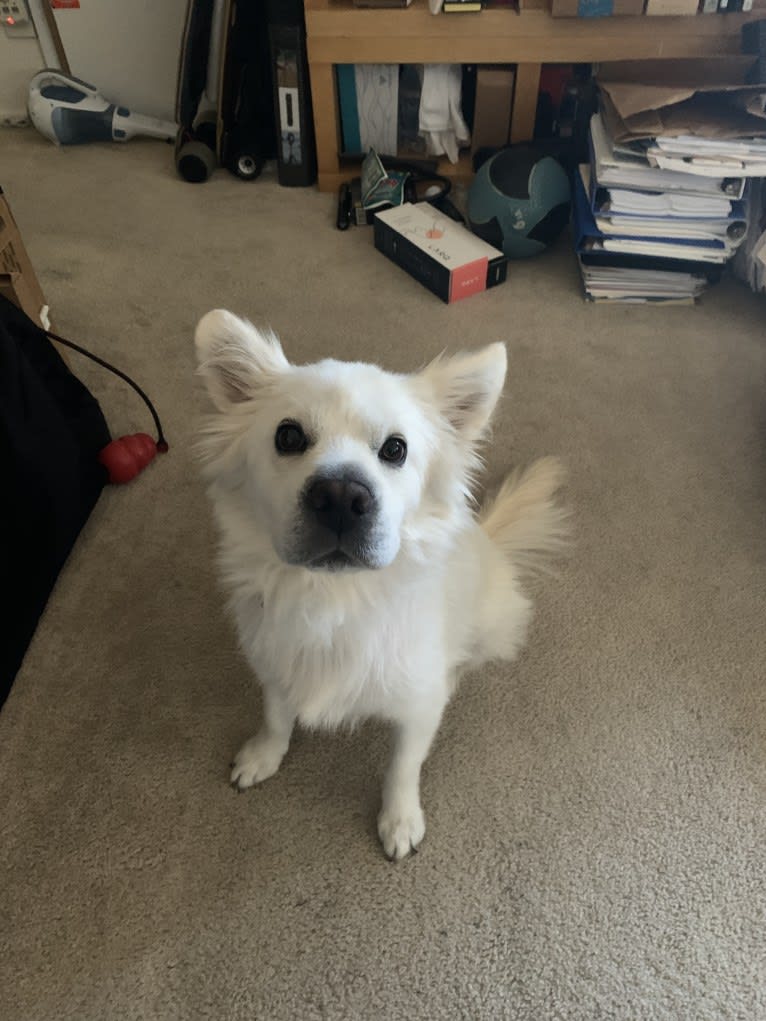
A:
[524, 520]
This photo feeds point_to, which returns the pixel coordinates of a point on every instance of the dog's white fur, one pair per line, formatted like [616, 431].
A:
[441, 588]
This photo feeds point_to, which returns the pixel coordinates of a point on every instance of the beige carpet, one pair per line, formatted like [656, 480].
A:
[596, 833]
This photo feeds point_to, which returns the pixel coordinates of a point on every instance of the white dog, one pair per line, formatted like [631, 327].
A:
[361, 580]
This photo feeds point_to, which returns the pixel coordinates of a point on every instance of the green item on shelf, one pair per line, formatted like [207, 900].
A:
[381, 187]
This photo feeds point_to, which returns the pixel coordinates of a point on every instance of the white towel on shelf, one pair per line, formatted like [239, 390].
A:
[441, 120]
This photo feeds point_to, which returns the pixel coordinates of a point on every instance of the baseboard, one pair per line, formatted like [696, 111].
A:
[14, 119]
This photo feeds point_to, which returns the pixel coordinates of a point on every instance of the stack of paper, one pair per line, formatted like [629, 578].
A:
[614, 167]
[630, 268]
[608, 283]
[657, 218]
[709, 156]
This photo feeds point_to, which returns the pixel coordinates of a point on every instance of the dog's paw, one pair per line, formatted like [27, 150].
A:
[257, 760]
[400, 831]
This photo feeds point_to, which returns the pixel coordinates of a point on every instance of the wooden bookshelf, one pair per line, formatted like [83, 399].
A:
[339, 33]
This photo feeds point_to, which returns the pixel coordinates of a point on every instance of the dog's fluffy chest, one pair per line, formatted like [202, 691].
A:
[342, 652]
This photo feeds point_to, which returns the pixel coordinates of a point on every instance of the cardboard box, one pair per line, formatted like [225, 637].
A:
[18, 282]
[493, 106]
[596, 8]
[635, 110]
[671, 7]
[441, 254]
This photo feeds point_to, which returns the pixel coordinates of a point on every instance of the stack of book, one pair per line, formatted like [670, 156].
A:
[651, 222]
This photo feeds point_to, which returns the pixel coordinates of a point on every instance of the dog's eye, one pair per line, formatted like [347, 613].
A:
[290, 438]
[393, 451]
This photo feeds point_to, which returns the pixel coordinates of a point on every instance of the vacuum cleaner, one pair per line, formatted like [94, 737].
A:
[69, 111]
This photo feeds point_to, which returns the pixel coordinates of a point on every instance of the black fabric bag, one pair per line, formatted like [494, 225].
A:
[51, 430]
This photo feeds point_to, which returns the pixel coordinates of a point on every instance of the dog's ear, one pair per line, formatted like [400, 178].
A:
[235, 359]
[466, 387]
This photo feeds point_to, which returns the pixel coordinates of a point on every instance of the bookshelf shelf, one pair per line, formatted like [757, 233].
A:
[339, 33]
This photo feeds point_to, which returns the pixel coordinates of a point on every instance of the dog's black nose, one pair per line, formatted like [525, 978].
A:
[339, 504]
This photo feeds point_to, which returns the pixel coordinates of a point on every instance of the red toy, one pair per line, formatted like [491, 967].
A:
[128, 456]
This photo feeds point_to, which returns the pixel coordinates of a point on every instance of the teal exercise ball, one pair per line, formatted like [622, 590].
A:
[519, 201]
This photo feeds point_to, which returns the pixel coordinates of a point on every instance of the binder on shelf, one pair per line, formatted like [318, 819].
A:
[296, 150]
[658, 228]
[715, 251]
[670, 243]
[618, 211]
[589, 243]
[627, 202]
[349, 111]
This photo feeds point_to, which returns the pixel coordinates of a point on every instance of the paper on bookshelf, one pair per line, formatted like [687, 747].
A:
[613, 170]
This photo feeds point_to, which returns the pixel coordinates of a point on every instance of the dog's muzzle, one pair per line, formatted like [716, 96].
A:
[339, 517]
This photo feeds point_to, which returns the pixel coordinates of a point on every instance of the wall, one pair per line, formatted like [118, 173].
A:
[19, 60]
[129, 50]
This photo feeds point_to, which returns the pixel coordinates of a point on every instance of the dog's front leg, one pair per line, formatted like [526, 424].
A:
[260, 757]
[401, 825]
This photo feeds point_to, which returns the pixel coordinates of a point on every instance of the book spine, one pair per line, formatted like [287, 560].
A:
[349, 114]
[425, 269]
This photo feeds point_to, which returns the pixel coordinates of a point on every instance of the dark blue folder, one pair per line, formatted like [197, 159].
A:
[585, 232]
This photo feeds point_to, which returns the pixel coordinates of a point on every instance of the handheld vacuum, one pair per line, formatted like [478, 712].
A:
[69, 111]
